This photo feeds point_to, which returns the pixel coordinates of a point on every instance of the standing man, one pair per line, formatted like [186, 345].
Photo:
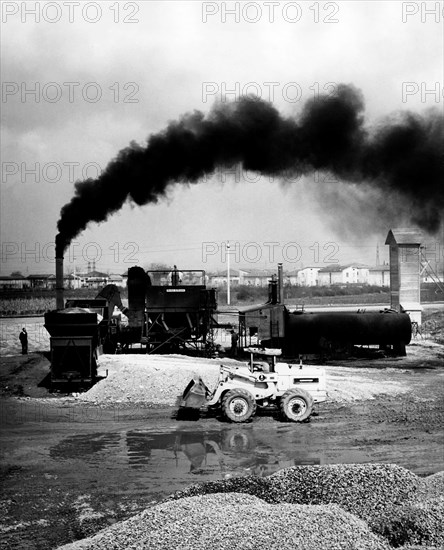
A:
[234, 341]
[24, 341]
[176, 276]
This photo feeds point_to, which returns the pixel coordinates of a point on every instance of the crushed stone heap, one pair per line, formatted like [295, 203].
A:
[161, 379]
[352, 506]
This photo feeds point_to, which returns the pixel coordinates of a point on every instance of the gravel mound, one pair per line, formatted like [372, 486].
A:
[160, 379]
[338, 506]
[393, 501]
[260, 487]
[420, 523]
[432, 486]
[154, 379]
[366, 490]
[236, 521]
[358, 384]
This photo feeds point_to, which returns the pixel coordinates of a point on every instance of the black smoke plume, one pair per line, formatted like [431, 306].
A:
[401, 155]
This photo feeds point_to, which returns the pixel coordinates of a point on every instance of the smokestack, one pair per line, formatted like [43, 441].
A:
[59, 283]
[280, 284]
[272, 290]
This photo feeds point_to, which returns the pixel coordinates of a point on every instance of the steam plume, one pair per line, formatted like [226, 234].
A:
[403, 154]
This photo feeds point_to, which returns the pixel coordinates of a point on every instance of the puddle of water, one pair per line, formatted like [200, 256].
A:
[232, 451]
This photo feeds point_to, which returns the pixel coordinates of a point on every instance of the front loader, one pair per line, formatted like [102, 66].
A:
[242, 388]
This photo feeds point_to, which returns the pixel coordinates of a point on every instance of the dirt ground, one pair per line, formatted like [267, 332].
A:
[70, 467]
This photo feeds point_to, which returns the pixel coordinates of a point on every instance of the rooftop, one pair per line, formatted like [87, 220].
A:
[404, 236]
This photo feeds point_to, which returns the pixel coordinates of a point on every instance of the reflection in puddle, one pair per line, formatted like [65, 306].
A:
[231, 451]
[84, 446]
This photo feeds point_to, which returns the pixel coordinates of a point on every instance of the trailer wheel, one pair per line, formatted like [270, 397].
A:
[296, 405]
[238, 405]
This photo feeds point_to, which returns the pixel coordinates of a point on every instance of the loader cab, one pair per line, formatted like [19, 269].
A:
[268, 361]
[260, 366]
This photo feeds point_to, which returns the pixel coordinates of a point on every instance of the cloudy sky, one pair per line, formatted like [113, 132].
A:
[81, 80]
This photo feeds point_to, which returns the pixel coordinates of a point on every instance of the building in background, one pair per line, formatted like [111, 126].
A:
[41, 281]
[257, 277]
[308, 276]
[219, 280]
[342, 275]
[116, 279]
[379, 275]
[14, 282]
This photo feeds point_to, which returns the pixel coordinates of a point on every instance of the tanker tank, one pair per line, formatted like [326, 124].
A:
[317, 332]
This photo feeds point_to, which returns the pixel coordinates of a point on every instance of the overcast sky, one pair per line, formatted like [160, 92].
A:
[81, 80]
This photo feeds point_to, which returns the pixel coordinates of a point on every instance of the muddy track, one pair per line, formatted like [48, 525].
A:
[66, 473]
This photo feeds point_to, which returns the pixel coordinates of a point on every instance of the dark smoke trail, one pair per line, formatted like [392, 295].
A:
[402, 155]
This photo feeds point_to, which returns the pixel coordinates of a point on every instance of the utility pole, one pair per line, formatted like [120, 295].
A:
[228, 273]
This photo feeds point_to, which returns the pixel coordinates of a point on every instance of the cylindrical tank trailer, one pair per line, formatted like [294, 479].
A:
[301, 332]
[317, 332]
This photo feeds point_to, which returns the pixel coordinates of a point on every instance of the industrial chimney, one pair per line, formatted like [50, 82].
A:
[272, 290]
[59, 283]
[280, 284]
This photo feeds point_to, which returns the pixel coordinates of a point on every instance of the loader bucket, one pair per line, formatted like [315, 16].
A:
[195, 394]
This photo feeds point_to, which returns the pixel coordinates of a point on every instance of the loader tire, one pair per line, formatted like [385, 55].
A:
[296, 405]
[238, 405]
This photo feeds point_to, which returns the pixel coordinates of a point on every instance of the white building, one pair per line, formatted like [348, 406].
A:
[343, 275]
[257, 277]
[379, 275]
[219, 280]
[308, 276]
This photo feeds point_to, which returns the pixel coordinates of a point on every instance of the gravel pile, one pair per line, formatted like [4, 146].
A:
[154, 379]
[419, 523]
[366, 490]
[355, 506]
[260, 487]
[160, 379]
[236, 521]
[358, 384]
[432, 486]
